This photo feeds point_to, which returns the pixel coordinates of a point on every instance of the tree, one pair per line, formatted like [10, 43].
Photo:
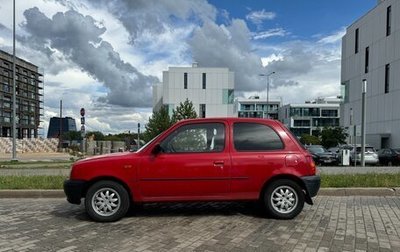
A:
[71, 136]
[333, 136]
[185, 110]
[97, 135]
[158, 122]
[307, 139]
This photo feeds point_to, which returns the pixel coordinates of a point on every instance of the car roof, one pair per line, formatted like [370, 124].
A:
[229, 119]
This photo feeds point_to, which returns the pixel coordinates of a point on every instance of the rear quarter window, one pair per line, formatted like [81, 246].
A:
[255, 137]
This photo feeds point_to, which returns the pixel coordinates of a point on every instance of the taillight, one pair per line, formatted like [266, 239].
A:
[311, 163]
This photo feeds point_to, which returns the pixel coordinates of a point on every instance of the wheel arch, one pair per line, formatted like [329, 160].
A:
[109, 178]
[290, 177]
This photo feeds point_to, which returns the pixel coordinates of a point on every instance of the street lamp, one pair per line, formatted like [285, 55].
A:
[14, 124]
[267, 75]
[363, 121]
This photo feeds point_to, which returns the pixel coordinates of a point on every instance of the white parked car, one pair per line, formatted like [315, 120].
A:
[371, 156]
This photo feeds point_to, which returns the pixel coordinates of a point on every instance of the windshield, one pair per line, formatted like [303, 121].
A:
[149, 142]
[317, 149]
[367, 150]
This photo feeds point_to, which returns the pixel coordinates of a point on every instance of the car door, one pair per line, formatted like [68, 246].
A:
[257, 153]
[194, 164]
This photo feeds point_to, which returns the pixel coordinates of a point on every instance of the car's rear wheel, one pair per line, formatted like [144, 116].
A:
[284, 199]
[107, 201]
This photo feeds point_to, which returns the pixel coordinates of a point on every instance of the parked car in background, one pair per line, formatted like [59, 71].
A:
[335, 152]
[214, 159]
[389, 156]
[371, 156]
[321, 156]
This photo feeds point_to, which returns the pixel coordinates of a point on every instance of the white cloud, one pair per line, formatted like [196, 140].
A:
[275, 32]
[144, 35]
[334, 37]
[273, 57]
[258, 17]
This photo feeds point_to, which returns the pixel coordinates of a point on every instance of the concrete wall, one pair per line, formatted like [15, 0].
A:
[104, 147]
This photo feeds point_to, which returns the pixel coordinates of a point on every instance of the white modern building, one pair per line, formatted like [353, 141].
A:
[210, 89]
[312, 116]
[257, 108]
[371, 51]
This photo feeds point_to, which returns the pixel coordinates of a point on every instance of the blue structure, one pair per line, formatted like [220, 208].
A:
[68, 124]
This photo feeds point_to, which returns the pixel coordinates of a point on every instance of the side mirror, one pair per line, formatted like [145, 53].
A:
[157, 149]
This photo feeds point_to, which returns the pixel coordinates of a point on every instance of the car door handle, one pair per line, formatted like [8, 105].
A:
[219, 163]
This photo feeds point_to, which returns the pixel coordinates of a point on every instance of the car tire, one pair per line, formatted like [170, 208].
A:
[283, 199]
[107, 201]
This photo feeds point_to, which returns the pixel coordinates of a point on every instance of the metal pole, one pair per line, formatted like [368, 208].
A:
[268, 95]
[353, 135]
[60, 136]
[267, 75]
[14, 126]
[138, 136]
[363, 121]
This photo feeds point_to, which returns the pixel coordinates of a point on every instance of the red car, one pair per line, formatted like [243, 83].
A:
[215, 159]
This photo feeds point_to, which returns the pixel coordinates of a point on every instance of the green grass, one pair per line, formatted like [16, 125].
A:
[32, 182]
[348, 180]
[361, 180]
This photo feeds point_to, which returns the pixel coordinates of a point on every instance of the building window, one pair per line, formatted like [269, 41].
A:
[202, 111]
[185, 81]
[366, 59]
[204, 80]
[345, 91]
[301, 123]
[329, 113]
[228, 96]
[356, 41]
[388, 20]
[387, 78]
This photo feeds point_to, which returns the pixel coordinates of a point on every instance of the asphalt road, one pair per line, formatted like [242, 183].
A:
[332, 224]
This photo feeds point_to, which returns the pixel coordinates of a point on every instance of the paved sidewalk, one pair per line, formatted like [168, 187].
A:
[332, 224]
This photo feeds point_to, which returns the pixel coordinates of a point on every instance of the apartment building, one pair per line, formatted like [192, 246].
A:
[211, 90]
[29, 97]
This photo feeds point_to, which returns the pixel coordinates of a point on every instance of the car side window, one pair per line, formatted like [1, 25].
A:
[255, 137]
[196, 138]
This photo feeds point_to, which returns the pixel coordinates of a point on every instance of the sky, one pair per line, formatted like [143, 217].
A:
[105, 55]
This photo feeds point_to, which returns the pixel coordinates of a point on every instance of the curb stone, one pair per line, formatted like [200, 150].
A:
[362, 191]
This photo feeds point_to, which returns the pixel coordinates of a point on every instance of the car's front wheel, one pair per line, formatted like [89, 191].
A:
[107, 201]
[284, 199]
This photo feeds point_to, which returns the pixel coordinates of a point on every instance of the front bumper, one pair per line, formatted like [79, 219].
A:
[312, 184]
[74, 190]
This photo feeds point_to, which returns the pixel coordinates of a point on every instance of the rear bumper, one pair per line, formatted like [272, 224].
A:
[74, 189]
[312, 184]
